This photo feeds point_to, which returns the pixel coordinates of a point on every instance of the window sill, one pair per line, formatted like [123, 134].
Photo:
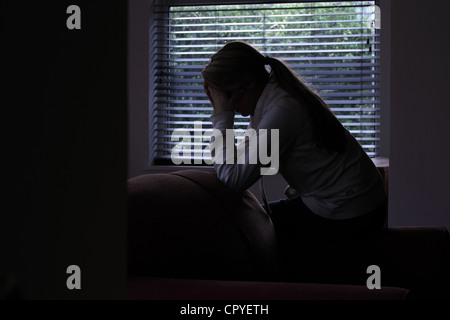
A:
[380, 162]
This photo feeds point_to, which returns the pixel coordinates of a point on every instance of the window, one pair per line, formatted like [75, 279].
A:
[332, 45]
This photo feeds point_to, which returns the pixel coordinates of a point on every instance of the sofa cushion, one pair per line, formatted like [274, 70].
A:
[415, 258]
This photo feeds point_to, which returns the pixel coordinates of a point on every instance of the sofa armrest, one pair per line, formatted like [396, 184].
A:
[187, 224]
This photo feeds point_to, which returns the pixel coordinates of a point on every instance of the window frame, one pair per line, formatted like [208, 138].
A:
[151, 130]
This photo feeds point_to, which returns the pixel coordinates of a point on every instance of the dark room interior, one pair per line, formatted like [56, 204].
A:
[76, 132]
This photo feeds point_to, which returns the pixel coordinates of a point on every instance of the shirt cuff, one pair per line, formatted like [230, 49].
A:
[223, 120]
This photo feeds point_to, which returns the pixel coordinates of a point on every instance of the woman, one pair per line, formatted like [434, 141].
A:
[335, 191]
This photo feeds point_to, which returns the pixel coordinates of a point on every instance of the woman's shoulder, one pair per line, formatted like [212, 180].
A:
[274, 96]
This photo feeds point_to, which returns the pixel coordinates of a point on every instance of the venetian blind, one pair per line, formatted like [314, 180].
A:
[333, 46]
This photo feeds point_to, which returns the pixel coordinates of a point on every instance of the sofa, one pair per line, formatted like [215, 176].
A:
[191, 238]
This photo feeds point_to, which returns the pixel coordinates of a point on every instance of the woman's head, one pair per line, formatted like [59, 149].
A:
[236, 66]
[238, 70]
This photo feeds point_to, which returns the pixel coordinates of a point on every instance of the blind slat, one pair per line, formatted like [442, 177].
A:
[322, 87]
[269, 37]
[311, 80]
[215, 31]
[214, 7]
[313, 58]
[292, 65]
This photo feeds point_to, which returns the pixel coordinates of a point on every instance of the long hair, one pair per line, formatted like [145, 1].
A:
[237, 64]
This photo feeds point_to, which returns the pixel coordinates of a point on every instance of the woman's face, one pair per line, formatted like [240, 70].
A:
[244, 99]
[241, 99]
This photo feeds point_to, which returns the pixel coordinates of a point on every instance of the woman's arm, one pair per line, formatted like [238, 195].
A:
[240, 167]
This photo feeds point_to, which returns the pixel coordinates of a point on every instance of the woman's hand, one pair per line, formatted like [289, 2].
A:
[220, 101]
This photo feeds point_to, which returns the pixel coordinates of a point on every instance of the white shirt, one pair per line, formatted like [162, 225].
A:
[332, 185]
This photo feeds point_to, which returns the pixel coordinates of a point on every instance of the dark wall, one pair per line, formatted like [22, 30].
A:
[420, 113]
[64, 142]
